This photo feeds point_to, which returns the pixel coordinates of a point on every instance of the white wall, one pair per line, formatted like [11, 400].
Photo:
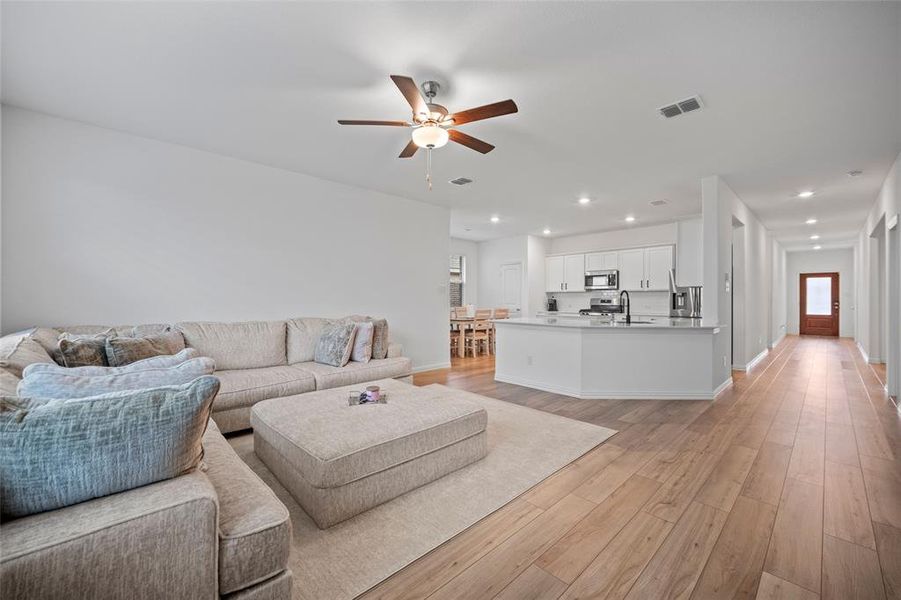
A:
[104, 227]
[469, 250]
[779, 316]
[536, 249]
[721, 207]
[493, 254]
[631, 237]
[886, 206]
[822, 261]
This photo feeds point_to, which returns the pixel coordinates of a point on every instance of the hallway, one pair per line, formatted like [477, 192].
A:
[787, 486]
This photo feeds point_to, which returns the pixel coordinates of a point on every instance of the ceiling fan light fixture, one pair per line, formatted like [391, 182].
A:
[430, 136]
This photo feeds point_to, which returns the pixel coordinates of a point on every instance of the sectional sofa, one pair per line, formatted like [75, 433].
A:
[217, 533]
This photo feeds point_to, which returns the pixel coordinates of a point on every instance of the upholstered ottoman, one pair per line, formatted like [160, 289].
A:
[339, 460]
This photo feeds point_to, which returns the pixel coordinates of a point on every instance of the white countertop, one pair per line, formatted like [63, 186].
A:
[582, 322]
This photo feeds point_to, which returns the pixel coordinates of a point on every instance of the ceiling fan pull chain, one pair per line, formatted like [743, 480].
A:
[428, 171]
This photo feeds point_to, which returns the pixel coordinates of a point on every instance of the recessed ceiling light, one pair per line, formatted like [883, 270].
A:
[629, 219]
[810, 221]
[583, 201]
[495, 219]
[814, 237]
[546, 231]
[855, 173]
[817, 247]
[805, 194]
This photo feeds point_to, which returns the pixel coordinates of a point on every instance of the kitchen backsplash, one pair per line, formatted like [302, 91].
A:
[643, 303]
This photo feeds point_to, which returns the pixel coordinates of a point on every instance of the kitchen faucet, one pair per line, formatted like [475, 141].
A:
[628, 306]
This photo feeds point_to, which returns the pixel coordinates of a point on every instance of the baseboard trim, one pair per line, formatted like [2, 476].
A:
[432, 367]
[754, 361]
[863, 353]
[722, 387]
[612, 394]
[777, 341]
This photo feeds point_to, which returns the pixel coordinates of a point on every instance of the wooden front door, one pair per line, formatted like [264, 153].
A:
[819, 304]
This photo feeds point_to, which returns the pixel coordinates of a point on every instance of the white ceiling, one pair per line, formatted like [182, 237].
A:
[796, 95]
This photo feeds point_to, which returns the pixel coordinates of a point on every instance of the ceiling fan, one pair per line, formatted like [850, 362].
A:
[431, 123]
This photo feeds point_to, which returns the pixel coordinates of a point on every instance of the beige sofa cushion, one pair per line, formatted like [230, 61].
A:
[8, 383]
[332, 444]
[19, 351]
[254, 526]
[303, 335]
[245, 387]
[155, 541]
[328, 376]
[247, 345]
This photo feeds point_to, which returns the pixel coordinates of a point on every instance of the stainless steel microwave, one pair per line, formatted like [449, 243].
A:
[602, 280]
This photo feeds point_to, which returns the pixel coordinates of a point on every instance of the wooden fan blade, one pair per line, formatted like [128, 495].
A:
[484, 112]
[409, 150]
[388, 123]
[469, 141]
[410, 91]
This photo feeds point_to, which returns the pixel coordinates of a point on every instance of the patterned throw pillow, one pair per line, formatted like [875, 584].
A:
[64, 385]
[362, 350]
[84, 350]
[56, 453]
[379, 334]
[335, 344]
[122, 351]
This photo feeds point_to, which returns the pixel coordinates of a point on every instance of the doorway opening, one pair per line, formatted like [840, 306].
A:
[819, 310]
[877, 295]
[739, 291]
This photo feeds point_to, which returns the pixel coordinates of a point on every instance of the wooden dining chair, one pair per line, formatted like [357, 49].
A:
[477, 338]
[483, 314]
[460, 312]
[456, 340]
[501, 313]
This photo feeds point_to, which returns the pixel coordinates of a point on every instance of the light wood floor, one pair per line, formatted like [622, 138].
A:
[787, 486]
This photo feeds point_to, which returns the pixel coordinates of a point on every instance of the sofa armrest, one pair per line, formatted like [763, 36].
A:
[156, 541]
[395, 350]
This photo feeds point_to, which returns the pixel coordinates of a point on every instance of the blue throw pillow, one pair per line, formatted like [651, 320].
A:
[56, 453]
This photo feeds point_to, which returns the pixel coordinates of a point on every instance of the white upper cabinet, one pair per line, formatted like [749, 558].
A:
[574, 273]
[565, 273]
[645, 269]
[554, 273]
[640, 269]
[658, 262]
[601, 261]
[631, 269]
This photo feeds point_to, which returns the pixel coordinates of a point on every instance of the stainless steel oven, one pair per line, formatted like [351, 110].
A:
[602, 280]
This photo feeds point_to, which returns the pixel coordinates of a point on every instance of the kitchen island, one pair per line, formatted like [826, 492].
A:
[603, 358]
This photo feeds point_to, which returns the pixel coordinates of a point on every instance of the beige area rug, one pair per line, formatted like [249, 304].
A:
[525, 446]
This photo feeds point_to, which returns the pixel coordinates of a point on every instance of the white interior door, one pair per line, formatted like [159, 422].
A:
[511, 286]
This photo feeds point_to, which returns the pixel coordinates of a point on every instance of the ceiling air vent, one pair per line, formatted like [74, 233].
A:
[461, 181]
[658, 202]
[681, 107]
